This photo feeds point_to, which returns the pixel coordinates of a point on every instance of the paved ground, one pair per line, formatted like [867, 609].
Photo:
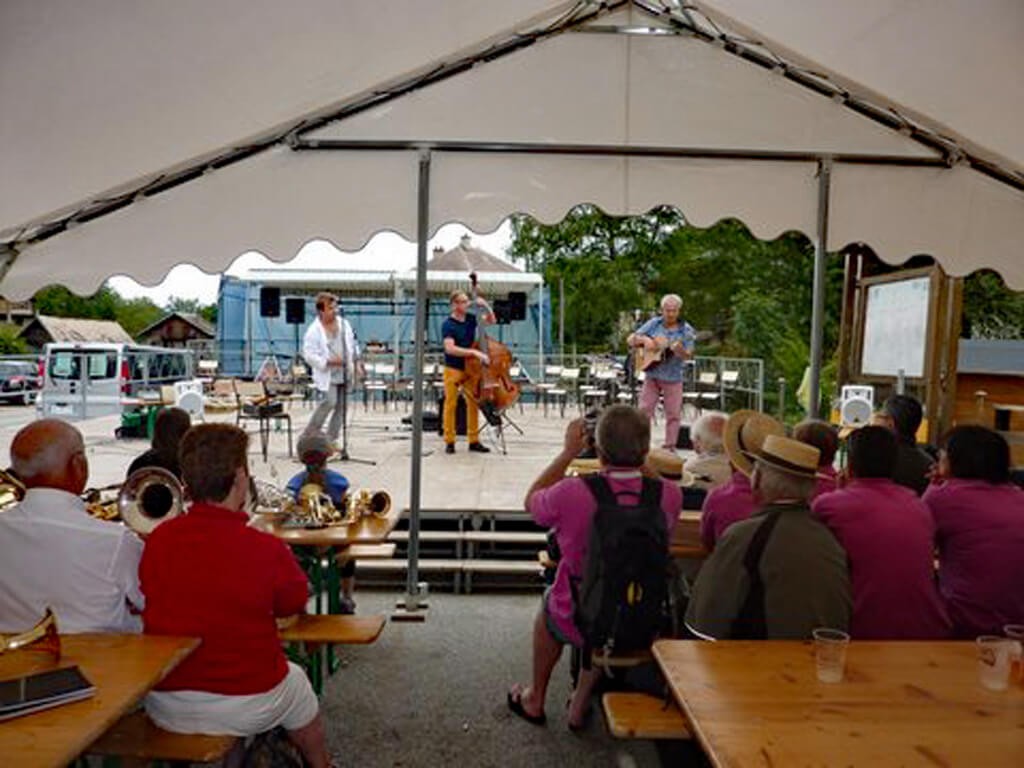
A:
[432, 693]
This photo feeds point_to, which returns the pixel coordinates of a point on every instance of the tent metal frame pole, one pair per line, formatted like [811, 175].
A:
[818, 297]
[422, 232]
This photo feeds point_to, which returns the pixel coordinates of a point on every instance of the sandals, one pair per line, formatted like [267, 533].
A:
[515, 704]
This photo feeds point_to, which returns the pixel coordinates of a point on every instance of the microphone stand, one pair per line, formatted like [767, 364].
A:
[343, 454]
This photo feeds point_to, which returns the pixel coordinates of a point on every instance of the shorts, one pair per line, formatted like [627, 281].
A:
[290, 704]
[550, 623]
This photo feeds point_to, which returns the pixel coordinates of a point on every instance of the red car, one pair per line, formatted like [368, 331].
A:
[19, 381]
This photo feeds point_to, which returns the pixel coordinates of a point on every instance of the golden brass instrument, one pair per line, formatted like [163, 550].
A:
[365, 503]
[12, 490]
[148, 497]
[42, 637]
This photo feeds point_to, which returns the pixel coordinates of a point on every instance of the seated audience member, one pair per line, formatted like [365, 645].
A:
[52, 553]
[825, 438]
[979, 521]
[207, 574]
[567, 506]
[798, 579]
[912, 463]
[744, 433]
[314, 449]
[710, 467]
[888, 535]
[171, 425]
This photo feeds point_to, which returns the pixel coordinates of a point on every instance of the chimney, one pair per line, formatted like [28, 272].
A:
[438, 250]
[464, 242]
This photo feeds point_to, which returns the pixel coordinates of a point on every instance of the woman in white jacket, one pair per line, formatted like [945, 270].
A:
[332, 353]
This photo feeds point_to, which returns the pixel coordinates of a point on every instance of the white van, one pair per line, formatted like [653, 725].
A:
[88, 379]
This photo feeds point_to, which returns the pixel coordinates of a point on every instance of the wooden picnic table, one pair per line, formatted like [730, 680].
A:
[366, 530]
[122, 667]
[759, 703]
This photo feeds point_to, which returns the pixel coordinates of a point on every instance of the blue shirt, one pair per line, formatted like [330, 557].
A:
[671, 368]
[335, 485]
[464, 334]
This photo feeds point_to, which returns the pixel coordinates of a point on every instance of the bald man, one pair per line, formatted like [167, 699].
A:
[52, 553]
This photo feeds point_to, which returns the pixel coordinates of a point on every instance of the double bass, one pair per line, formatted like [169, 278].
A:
[494, 388]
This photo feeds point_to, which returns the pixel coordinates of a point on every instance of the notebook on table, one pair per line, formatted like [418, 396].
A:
[42, 690]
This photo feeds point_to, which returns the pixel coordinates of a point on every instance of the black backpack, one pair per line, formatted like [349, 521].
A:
[621, 600]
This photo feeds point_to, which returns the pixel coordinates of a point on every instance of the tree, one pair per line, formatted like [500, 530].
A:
[990, 309]
[10, 342]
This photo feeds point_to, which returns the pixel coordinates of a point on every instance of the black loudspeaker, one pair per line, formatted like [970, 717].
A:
[270, 301]
[295, 311]
[460, 416]
[517, 305]
[502, 312]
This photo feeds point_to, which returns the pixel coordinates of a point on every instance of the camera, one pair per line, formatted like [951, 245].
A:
[590, 427]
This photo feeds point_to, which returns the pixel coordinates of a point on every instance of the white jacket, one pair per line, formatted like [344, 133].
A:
[316, 351]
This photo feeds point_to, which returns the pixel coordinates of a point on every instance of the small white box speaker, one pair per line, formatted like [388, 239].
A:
[856, 405]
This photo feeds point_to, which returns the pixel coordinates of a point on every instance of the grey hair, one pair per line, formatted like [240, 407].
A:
[710, 439]
[49, 459]
[671, 298]
[623, 436]
[774, 484]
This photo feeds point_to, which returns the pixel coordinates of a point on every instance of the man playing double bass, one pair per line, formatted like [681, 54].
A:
[459, 332]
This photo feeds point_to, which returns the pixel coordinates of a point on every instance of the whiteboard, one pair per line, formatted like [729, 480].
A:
[896, 328]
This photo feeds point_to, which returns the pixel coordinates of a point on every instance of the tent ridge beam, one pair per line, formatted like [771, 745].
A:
[286, 134]
[710, 153]
[758, 53]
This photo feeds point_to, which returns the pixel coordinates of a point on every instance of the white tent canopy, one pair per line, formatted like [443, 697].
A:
[105, 96]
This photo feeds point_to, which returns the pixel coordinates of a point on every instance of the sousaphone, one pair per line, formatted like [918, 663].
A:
[42, 637]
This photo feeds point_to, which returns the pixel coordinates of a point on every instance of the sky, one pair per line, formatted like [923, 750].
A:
[385, 251]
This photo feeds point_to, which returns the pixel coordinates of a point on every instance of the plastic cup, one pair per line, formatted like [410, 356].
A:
[1016, 633]
[994, 660]
[830, 654]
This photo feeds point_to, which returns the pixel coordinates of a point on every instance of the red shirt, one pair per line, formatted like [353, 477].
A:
[207, 574]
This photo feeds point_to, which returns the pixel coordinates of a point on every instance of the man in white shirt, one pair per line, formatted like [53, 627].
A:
[710, 466]
[52, 553]
[330, 349]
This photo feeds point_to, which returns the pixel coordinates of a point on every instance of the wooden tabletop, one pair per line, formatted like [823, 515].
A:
[122, 667]
[900, 704]
[367, 530]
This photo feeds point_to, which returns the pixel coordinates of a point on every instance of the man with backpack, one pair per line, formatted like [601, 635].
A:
[613, 530]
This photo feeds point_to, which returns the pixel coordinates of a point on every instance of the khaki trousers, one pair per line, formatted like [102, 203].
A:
[454, 380]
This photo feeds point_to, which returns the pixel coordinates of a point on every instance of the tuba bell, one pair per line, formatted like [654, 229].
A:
[366, 503]
[12, 490]
[148, 497]
[42, 637]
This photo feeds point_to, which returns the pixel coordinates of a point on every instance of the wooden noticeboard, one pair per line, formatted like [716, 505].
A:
[905, 320]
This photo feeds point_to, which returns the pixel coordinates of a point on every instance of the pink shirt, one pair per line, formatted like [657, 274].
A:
[724, 506]
[828, 481]
[888, 536]
[568, 506]
[980, 530]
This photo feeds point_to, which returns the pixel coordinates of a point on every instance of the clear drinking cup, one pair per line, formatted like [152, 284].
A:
[1016, 633]
[995, 656]
[830, 654]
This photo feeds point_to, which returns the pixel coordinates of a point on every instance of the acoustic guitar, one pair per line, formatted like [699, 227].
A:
[645, 359]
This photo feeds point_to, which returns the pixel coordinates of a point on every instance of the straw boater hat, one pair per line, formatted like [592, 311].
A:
[669, 466]
[789, 455]
[745, 432]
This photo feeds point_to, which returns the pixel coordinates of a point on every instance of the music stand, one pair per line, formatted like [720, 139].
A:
[494, 422]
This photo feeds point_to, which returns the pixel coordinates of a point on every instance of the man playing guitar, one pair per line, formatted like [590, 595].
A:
[662, 343]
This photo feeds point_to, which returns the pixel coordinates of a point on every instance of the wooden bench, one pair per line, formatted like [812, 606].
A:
[136, 736]
[359, 552]
[642, 716]
[333, 629]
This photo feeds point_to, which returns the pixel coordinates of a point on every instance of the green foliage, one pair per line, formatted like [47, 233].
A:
[753, 296]
[991, 310]
[10, 342]
[107, 304]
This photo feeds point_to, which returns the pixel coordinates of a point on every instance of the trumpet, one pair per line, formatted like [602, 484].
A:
[148, 497]
[42, 637]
